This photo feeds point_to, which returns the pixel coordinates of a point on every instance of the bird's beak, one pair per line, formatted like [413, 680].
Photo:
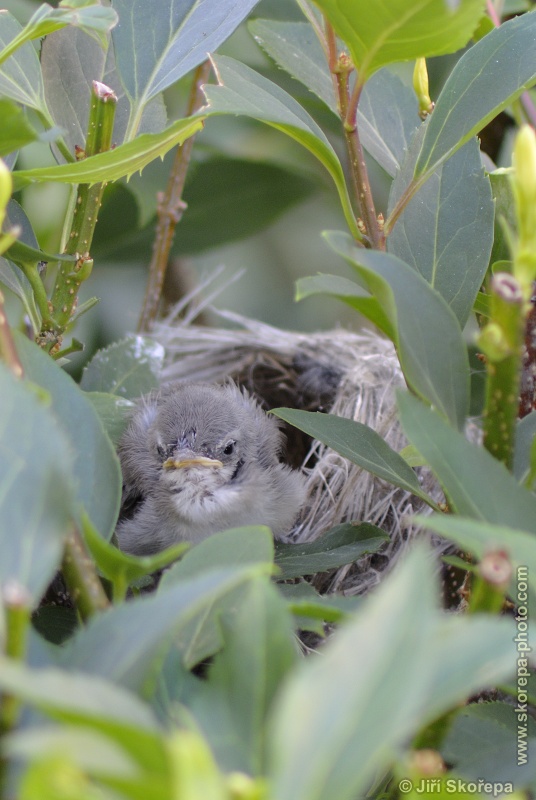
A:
[196, 461]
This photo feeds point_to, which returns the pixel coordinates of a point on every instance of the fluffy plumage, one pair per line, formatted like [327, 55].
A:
[199, 458]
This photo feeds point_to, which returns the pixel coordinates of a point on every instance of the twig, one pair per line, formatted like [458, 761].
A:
[81, 577]
[340, 67]
[170, 209]
[86, 208]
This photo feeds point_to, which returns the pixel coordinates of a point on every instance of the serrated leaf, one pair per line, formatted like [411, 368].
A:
[397, 31]
[446, 230]
[339, 546]
[20, 75]
[428, 338]
[183, 32]
[96, 466]
[478, 486]
[423, 664]
[94, 19]
[387, 114]
[114, 164]
[128, 368]
[242, 91]
[357, 442]
[486, 79]
[37, 498]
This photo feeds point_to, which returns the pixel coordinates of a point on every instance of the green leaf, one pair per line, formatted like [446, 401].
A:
[430, 346]
[446, 230]
[56, 624]
[114, 164]
[397, 31]
[339, 546]
[202, 637]
[486, 79]
[123, 569]
[304, 601]
[127, 643]
[96, 466]
[259, 651]
[17, 282]
[128, 369]
[183, 32]
[242, 91]
[387, 114]
[421, 665]
[357, 442]
[16, 131]
[114, 413]
[36, 489]
[478, 486]
[483, 740]
[26, 249]
[505, 212]
[348, 292]
[20, 77]
[479, 538]
[96, 20]
[525, 433]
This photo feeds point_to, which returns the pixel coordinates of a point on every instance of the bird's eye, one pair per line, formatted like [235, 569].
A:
[161, 450]
[229, 448]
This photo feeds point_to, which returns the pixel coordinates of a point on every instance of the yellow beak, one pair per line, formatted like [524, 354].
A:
[197, 461]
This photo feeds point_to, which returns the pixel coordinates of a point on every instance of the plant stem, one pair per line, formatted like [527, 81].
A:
[81, 577]
[88, 200]
[7, 345]
[340, 67]
[502, 342]
[170, 209]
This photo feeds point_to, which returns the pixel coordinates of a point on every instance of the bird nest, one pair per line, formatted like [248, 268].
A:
[353, 375]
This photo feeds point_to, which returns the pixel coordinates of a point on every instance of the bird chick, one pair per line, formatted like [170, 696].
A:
[200, 458]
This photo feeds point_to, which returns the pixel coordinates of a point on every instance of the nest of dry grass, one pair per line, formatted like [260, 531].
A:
[353, 375]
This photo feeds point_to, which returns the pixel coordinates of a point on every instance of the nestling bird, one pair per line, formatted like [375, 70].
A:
[200, 458]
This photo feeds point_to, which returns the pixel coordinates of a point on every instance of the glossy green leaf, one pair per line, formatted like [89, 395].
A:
[12, 277]
[429, 341]
[348, 292]
[128, 369]
[96, 467]
[16, 131]
[20, 75]
[483, 740]
[244, 92]
[341, 545]
[259, 651]
[114, 164]
[477, 485]
[55, 624]
[96, 20]
[387, 114]
[505, 213]
[446, 230]
[36, 487]
[397, 31]
[114, 413]
[127, 643]
[485, 80]
[183, 32]
[357, 442]
[335, 746]
[26, 248]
